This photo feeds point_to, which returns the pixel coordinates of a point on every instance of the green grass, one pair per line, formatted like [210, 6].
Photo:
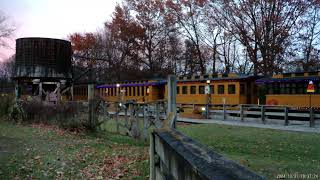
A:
[267, 152]
[46, 153]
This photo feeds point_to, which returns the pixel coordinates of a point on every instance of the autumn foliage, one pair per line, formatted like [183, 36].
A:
[148, 38]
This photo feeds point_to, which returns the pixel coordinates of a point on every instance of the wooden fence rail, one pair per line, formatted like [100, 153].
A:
[263, 113]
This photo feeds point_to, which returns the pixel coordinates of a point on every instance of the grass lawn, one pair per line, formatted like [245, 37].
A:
[43, 152]
[48, 153]
[267, 152]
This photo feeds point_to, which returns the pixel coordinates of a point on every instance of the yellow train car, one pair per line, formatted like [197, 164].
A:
[140, 91]
[80, 92]
[290, 89]
[228, 89]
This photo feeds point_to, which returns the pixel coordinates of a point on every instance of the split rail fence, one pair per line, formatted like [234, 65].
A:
[263, 113]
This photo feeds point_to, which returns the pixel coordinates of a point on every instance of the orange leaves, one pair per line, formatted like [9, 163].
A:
[123, 26]
[82, 42]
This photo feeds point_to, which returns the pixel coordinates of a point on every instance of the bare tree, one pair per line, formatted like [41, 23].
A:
[263, 27]
[310, 40]
[189, 16]
[6, 30]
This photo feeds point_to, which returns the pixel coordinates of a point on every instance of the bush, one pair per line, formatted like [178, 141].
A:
[67, 115]
[6, 101]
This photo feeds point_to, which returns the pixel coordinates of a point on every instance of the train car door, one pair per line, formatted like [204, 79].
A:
[248, 92]
[161, 91]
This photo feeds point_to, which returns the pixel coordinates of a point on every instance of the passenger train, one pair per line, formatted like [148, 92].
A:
[289, 89]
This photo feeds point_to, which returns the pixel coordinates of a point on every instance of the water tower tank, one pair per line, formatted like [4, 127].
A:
[43, 58]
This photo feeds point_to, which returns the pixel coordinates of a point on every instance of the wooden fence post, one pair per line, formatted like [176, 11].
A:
[157, 111]
[224, 112]
[117, 116]
[172, 94]
[312, 123]
[241, 113]
[126, 116]
[286, 118]
[138, 120]
[263, 117]
[144, 123]
[152, 161]
[207, 111]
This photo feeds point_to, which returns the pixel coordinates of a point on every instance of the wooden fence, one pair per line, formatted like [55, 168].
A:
[132, 118]
[262, 113]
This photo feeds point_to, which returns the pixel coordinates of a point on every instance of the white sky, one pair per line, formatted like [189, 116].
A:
[54, 18]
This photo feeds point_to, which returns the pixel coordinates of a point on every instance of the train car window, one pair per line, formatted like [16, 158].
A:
[231, 89]
[193, 90]
[184, 89]
[276, 88]
[220, 89]
[211, 89]
[242, 89]
[148, 91]
[301, 88]
[282, 88]
[111, 91]
[142, 91]
[134, 91]
[201, 90]
[126, 91]
[293, 89]
[138, 91]
[130, 91]
[287, 88]
[178, 89]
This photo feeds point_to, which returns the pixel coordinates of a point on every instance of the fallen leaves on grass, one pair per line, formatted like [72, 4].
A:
[46, 128]
[122, 162]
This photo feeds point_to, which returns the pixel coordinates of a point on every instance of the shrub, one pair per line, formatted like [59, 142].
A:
[67, 115]
[6, 101]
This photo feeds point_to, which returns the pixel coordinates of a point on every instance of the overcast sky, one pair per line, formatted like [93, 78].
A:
[54, 18]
